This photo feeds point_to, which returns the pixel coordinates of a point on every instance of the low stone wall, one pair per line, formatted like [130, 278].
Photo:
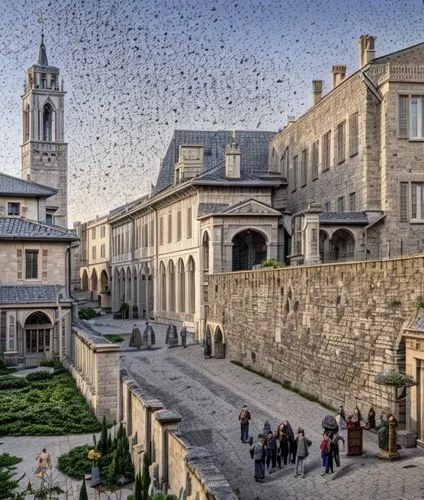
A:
[325, 329]
[177, 468]
[94, 364]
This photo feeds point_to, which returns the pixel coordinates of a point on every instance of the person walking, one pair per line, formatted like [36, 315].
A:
[302, 445]
[258, 454]
[183, 335]
[270, 452]
[44, 463]
[244, 417]
[282, 445]
[326, 454]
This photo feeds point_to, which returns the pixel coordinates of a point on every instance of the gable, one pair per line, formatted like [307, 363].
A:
[251, 207]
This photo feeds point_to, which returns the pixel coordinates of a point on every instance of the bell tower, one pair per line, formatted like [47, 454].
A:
[44, 151]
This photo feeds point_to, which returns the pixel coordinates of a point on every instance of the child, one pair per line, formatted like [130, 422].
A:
[302, 445]
[326, 453]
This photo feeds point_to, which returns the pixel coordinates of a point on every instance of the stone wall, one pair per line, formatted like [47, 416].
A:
[180, 469]
[326, 329]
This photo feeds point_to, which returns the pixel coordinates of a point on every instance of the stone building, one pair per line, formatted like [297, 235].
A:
[94, 260]
[44, 150]
[210, 211]
[35, 302]
[353, 162]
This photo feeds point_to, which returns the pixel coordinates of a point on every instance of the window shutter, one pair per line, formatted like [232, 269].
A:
[403, 115]
[44, 264]
[19, 263]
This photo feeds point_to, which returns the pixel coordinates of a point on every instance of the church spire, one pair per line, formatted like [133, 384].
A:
[42, 53]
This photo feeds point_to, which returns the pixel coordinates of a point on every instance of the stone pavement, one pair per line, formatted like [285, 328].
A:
[208, 395]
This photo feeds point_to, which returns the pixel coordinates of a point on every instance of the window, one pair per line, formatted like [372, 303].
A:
[145, 235]
[179, 225]
[152, 233]
[353, 134]
[93, 233]
[189, 222]
[93, 252]
[327, 206]
[326, 151]
[411, 116]
[341, 138]
[161, 231]
[47, 122]
[412, 201]
[49, 219]
[315, 159]
[102, 231]
[13, 208]
[284, 163]
[304, 168]
[294, 173]
[31, 264]
[352, 202]
[169, 228]
[340, 204]
[102, 250]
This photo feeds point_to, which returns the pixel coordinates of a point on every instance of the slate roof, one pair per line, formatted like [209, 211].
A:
[253, 147]
[18, 228]
[19, 187]
[31, 294]
[211, 208]
[217, 176]
[343, 218]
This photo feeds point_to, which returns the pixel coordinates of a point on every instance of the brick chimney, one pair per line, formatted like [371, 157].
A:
[339, 74]
[366, 49]
[232, 159]
[316, 91]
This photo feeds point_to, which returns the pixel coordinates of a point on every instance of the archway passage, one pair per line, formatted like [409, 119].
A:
[38, 338]
[249, 249]
[342, 246]
[219, 346]
[84, 281]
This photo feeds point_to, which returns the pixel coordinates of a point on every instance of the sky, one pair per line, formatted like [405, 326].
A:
[136, 70]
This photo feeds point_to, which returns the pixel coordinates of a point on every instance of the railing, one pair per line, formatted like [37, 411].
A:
[401, 72]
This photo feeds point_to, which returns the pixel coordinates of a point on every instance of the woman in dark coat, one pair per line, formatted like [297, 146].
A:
[282, 445]
[258, 456]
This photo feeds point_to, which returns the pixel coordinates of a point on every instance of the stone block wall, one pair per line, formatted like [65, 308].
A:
[180, 469]
[326, 329]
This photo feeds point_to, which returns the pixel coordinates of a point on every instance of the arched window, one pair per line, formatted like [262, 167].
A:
[206, 252]
[171, 277]
[47, 122]
[191, 282]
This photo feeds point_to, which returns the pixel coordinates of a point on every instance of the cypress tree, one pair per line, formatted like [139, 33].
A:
[145, 476]
[83, 491]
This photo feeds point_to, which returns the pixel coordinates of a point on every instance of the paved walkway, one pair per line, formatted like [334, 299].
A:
[208, 394]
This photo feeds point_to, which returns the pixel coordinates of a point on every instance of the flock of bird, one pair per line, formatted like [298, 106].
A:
[135, 70]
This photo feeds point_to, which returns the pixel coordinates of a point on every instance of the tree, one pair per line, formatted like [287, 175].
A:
[102, 444]
[145, 476]
[138, 492]
[83, 491]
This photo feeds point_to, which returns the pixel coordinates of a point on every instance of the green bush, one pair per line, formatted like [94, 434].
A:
[42, 375]
[114, 337]
[12, 382]
[7, 460]
[54, 363]
[272, 263]
[4, 369]
[87, 313]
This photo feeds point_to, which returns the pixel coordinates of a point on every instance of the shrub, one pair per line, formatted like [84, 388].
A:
[42, 375]
[12, 382]
[87, 313]
[7, 460]
[272, 263]
[54, 363]
[114, 337]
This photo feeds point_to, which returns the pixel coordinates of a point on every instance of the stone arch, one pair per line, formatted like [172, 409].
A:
[342, 245]
[38, 340]
[219, 345]
[249, 249]
[191, 285]
[104, 281]
[121, 286]
[171, 287]
[181, 285]
[162, 286]
[48, 122]
[84, 280]
[94, 281]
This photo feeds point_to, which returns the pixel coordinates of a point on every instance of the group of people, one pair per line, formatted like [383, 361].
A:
[274, 449]
[278, 448]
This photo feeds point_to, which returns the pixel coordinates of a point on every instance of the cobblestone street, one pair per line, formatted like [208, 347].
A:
[208, 394]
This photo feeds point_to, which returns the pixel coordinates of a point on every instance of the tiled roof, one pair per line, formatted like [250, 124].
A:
[217, 175]
[253, 147]
[30, 294]
[211, 208]
[16, 227]
[343, 217]
[15, 186]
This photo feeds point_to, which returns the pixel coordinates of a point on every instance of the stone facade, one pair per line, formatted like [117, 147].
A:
[325, 329]
[359, 149]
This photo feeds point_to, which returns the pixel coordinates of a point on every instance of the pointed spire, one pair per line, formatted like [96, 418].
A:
[42, 53]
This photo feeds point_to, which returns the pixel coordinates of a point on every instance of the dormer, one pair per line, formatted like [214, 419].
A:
[190, 162]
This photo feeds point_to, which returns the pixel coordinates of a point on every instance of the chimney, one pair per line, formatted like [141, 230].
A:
[232, 159]
[316, 91]
[339, 74]
[366, 49]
